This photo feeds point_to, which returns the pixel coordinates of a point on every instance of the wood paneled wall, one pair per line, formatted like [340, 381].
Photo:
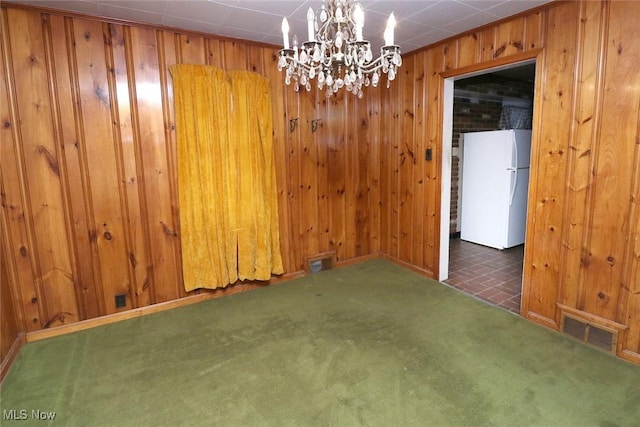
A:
[88, 161]
[583, 230]
[10, 329]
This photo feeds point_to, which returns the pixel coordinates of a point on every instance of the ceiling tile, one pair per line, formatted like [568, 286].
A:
[202, 11]
[512, 7]
[471, 21]
[156, 6]
[442, 13]
[76, 6]
[401, 9]
[131, 14]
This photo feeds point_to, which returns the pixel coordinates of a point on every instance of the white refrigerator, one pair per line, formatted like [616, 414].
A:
[495, 182]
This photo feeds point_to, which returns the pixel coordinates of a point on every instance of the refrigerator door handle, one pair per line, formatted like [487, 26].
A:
[514, 167]
[514, 185]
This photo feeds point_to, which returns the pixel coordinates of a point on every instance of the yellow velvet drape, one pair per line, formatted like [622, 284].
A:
[226, 177]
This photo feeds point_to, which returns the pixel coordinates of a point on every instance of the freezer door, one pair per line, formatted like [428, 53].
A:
[521, 148]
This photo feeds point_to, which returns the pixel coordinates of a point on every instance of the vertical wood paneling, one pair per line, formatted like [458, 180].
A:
[235, 55]
[580, 152]
[192, 49]
[308, 175]
[106, 231]
[336, 165]
[630, 290]
[468, 50]
[168, 55]
[432, 169]
[373, 167]
[385, 172]
[450, 53]
[214, 52]
[395, 132]
[14, 215]
[420, 144]
[533, 31]
[280, 130]
[39, 150]
[487, 44]
[322, 172]
[90, 299]
[509, 38]
[128, 141]
[350, 179]
[549, 167]
[160, 279]
[614, 165]
[292, 123]
[8, 326]
[362, 190]
[406, 160]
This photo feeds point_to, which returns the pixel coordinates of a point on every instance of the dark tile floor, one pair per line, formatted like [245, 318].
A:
[489, 274]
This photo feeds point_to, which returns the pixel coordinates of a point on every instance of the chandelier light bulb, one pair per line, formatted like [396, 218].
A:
[358, 17]
[388, 32]
[310, 29]
[285, 32]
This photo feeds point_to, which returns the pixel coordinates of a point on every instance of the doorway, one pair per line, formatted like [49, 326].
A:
[488, 100]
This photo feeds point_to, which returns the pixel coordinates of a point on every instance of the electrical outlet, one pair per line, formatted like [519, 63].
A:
[121, 300]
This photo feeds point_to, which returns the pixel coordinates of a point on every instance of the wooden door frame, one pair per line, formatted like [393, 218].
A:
[447, 85]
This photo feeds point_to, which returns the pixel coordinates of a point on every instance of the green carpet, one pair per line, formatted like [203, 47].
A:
[371, 344]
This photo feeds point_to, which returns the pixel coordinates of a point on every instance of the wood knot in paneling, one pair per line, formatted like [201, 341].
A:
[50, 158]
[133, 260]
[499, 51]
[168, 230]
[23, 251]
[107, 236]
[59, 318]
[611, 260]
[102, 95]
[7, 124]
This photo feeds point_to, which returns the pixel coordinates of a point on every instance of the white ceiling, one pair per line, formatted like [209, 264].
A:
[419, 23]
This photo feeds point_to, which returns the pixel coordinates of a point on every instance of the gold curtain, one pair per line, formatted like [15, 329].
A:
[226, 177]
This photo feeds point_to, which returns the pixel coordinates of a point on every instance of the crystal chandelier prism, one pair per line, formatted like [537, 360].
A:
[336, 54]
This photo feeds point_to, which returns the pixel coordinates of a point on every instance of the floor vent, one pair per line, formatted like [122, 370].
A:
[321, 262]
[596, 335]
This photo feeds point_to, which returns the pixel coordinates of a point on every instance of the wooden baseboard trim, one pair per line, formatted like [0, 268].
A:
[541, 320]
[631, 356]
[155, 308]
[357, 260]
[7, 361]
[192, 299]
[425, 272]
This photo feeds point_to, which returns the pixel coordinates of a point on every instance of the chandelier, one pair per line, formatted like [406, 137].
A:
[336, 54]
